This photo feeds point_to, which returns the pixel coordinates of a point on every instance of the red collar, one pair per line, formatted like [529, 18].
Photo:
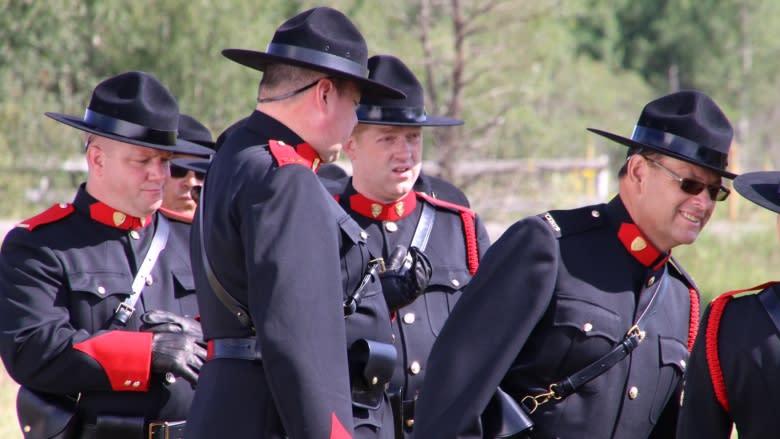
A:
[302, 154]
[172, 214]
[383, 212]
[640, 247]
[105, 214]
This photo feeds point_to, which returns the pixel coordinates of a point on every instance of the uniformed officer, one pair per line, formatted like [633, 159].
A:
[96, 298]
[560, 291]
[279, 266]
[732, 374]
[386, 154]
[187, 172]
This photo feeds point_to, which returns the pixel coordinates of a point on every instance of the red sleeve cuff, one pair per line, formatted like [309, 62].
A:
[125, 356]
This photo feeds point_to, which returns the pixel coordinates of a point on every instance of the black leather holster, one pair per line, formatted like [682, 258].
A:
[371, 365]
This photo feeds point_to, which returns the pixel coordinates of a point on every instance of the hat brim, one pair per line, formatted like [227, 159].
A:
[761, 188]
[634, 144]
[430, 121]
[260, 60]
[193, 164]
[181, 146]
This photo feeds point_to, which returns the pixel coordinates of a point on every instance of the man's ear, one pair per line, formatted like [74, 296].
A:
[350, 146]
[325, 88]
[636, 168]
[96, 157]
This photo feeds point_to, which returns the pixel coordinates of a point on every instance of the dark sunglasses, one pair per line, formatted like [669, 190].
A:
[689, 186]
[179, 172]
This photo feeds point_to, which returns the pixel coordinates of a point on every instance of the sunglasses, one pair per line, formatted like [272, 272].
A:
[689, 186]
[179, 172]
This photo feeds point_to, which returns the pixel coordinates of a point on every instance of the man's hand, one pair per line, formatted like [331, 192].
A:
[405, 277]
[178, 354]
[165, 321]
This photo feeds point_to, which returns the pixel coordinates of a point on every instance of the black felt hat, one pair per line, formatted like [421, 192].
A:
[687, 125]
[762, 188]
[133, 107]
[409, 111]
[321, 39]
[191, 130]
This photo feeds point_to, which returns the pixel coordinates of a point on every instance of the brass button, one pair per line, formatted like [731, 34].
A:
[136, 384]
[409, 318]
[414, 368]
[391, 226]
[683, 364]
[128, 383]
[595, 213]
[363, 234]
[587, 327]
[134, 234]
[149, 280]
[101, 290]
[651, 281]
[374, 381]
[409, 423]
[633, 392]
[170, 378]
[455, 283]
[27, 429]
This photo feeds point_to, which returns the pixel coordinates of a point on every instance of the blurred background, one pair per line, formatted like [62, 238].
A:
[527, 76]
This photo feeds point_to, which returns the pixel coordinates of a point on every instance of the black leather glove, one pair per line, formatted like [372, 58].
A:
[406, 276]
[178, 354]
[165, 321]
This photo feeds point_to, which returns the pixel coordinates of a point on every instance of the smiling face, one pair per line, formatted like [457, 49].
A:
[386, 160]
[127, 177]
[662, 210]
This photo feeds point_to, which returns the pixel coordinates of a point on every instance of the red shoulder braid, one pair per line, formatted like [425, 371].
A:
[717, 307]
[50, 215]
[468, 217]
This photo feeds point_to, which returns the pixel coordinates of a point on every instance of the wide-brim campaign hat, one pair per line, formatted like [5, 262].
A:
[135, 108]
[193, 164]
[762, 188]
[687, 125]
[191, 130]
[321, 39]
[409, 111]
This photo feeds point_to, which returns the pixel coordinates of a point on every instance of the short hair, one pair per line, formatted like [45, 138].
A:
[649, 153]
[280, 78]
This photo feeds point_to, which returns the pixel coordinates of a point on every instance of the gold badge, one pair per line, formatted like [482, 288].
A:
[399, 208]
[119, 218]
[638, 244]
[376, 209]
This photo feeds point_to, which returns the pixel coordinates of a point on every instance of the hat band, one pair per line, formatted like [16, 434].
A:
[127, 129]
[322, 59]
[378, 113]
[680, 145]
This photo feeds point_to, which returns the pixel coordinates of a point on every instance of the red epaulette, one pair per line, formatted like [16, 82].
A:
[717, 307]
[285, 154]
[50, 215]
[468, 217]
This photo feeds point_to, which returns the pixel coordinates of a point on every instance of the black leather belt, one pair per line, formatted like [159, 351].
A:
[167, 430]
[234, 348]
[156, 430]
